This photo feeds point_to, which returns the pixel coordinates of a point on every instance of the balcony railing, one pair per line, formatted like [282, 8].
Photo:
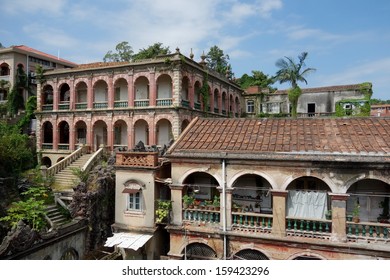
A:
[375, 232]
[120, 104]
[164, 102]
[63, 147]
[48, 107]
[185, 103]
[47, 146]
[254, 222]
[141, 103]
[81, 106]
[100, 105]
[304, 227]
[63, 106]
[197, 106]
[137, 159]
[201, 216]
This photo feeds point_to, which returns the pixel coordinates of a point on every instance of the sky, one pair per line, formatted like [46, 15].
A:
[347, 41]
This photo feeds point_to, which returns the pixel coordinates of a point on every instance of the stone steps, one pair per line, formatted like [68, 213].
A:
[56, 216]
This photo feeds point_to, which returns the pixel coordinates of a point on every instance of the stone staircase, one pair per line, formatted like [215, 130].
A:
[65, 179]
[56, 216]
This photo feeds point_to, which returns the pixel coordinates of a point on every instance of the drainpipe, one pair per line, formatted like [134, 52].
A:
[224, 208]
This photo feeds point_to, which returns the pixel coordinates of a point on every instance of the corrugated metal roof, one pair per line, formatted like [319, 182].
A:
[128, 240]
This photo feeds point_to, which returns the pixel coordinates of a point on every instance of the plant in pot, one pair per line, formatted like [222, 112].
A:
[384, 216]
[328, 215]
[163, 211]
[355, 213]
[217, 203]
[188, 201]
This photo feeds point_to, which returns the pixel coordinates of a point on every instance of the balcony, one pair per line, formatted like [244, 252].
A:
[141, 103]
[48, 107]
[63, 106]
[185, 103]
[100, 105]
[81, 106]
[164, 102]
[120, 104]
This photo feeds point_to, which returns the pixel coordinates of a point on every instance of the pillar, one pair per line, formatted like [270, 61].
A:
[110, 92]
[279, 213]
[89, 93]
[228, 207]
[152, 89]
[177, 205]
[130, 90]
[339, 221]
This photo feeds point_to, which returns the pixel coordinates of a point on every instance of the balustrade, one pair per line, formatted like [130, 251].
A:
[100, 105]
[252, 221]
[81, 106]
[141, 103]
[197, 106]
[120, 104]
[296, 226]
[63, 106]
[47, 107]
[185, 103]
[367, 231]
[164, 102]
[211, 217]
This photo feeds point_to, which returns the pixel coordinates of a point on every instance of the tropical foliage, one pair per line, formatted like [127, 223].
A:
[257, 78]
[124, 52]
[293, 72]
[218, 61]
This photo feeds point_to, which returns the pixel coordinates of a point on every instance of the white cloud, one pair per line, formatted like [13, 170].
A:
[267, 6]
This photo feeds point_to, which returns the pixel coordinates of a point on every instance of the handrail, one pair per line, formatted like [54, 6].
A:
[61, 165]
[92, 160]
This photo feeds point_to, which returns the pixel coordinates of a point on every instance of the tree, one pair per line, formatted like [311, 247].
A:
[258, 78]
[124, 52]
[152, 51]
[292, 72]
[218, 61]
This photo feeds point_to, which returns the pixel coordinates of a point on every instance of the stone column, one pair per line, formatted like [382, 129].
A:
[55, 96]
[89, 93]
[279, 213]
[110, 92]
[152, 88]
[339, 221]
[228, 210]
[130, 90]
[191, 94]
[177, 205]
[72, 94]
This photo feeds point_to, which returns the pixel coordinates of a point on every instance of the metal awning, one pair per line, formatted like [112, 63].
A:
[128, 240]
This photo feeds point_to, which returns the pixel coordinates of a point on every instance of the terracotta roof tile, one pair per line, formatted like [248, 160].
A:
[316, 135]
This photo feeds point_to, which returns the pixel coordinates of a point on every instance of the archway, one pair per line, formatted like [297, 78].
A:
[164, 87]
[184, 124]
[202, 186]
[47, 98]
[141, 132]
[70, 254]
[120, 135]
[185, 84]
[46, 161]
[252, 193]
[308, 198]
[99, 134]
[249, 254]
[199, 251]
[81, 133]
[216, 101]
[47, 137]
[81, 95]
[64, 94]
[197, 96]
[121, 93]
[100, 95]
[164, 132]
[371, 197]
[63, 131]
[141, 87]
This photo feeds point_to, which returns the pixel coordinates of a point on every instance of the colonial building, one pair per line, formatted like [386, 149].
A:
[119, 104]
[322, 101]
[288, 189]
[25, 59]
[380, 110]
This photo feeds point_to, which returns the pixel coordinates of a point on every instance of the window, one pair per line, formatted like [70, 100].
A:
[250, 106]
[134, 201]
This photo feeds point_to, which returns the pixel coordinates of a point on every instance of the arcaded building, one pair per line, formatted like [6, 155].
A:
[281, 189]
[119, 104]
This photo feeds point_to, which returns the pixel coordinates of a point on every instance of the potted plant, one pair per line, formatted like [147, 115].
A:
[328, 215]
[196, 204]
[355, 213]
[188, 200]
[216, 203]
[384, 216]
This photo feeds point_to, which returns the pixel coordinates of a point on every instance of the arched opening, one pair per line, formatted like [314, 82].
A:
[120, 135]
[216, 101]
[199, 251]
[202, 187]
[64, 94]
[224, 103]
[238, 105]
[164, 90]
[120, 94]
[47, 98]
[81, 95]
[231, 105]
[59, 159]
[81, 133]
[47, 137]
[197, 97]
[308, 198]
[164, 132]
[63, 130]
[100, 95]
[141, 132]
[70, 254]
[185, 84]
[46, 161]
[249, 254]
[4, 69]
[184, 125]
[252, 193]
[370, 198]
[99, 134]
[141, 87]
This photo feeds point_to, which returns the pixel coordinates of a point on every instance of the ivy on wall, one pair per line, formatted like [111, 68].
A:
[358, 107]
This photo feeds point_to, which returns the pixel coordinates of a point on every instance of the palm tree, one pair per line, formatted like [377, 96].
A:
[292, 72]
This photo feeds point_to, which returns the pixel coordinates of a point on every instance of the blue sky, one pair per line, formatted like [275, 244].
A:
[348, 41]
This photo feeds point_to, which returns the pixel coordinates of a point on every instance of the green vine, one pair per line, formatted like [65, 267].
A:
[163, 209]
[204, 91]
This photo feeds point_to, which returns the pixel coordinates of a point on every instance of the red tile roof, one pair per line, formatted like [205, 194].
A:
[274, 136]
[31, 50]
